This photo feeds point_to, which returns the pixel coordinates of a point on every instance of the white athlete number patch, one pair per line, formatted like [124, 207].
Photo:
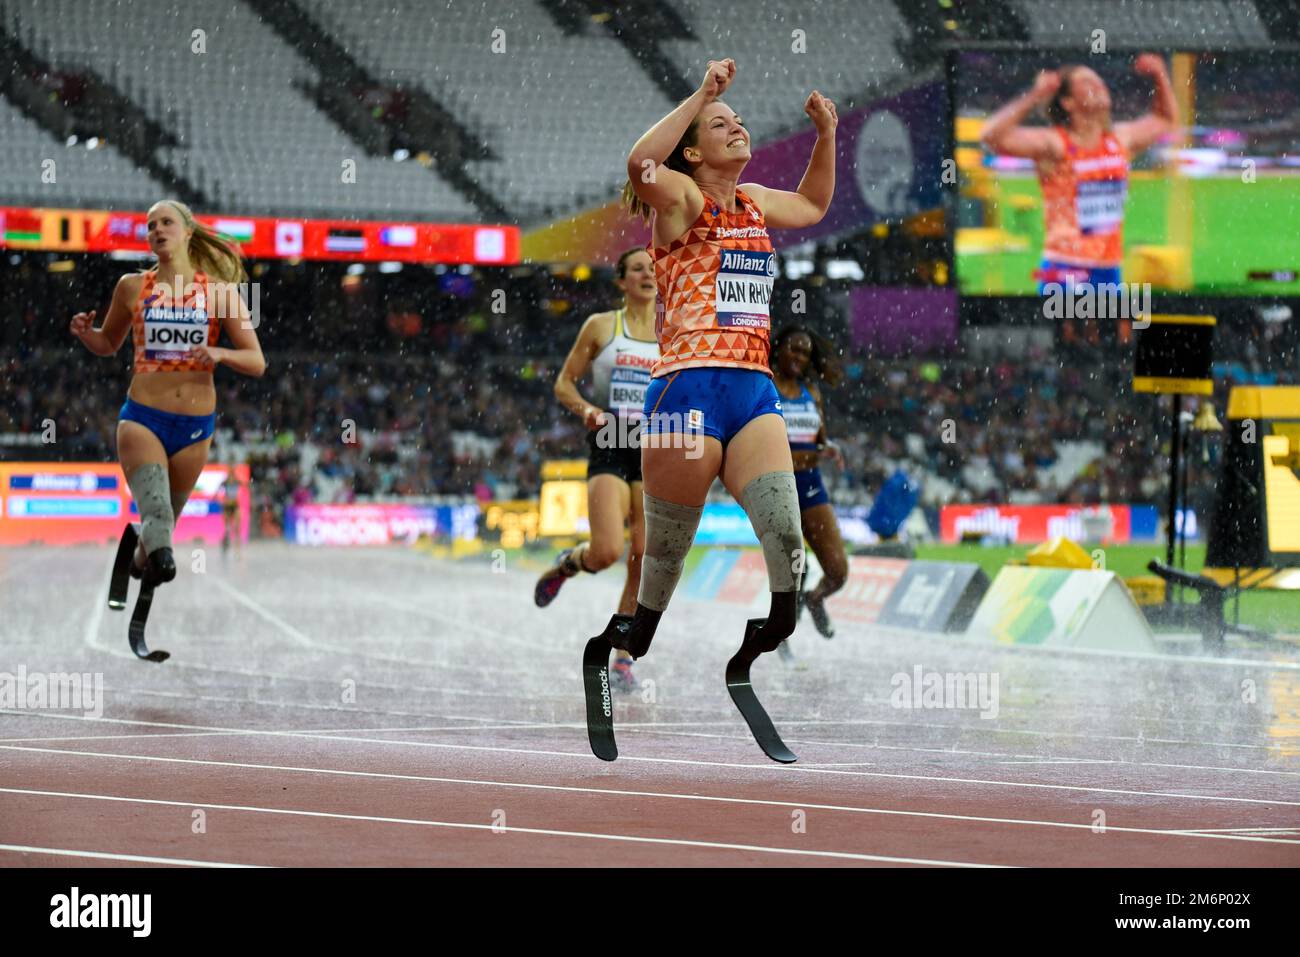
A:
[742, 290]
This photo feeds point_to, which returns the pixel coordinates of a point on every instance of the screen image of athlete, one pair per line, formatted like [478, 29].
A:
[801, 360]
[1082, 161]
[175, 314]
[619, 349]
[712, 410]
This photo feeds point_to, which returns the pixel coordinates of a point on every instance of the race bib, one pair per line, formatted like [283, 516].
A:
[169, 333]
[627, 385]
[802, 423]
[1100, 205]
[742, 289]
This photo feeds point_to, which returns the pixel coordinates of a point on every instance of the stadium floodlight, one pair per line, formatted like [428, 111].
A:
[844, 269]
[798, 268]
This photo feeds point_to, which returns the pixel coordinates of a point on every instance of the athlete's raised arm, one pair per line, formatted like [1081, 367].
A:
[1137, 135]
[654, 183]
[808, 204]
[1003, 132]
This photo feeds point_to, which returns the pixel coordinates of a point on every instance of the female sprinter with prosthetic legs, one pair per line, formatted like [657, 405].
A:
[801, 359]
[712, 410]
[620, 349]
[174, 313]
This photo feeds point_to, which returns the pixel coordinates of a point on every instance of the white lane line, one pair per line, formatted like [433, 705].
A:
[807, 767]
[264, 613]
[1196, 833]
[296, 705]
[214, 734]
[500, 828]
[1280, 829]
[1069, 761]
[968, 729]
[767, 767]
[105, 856]
[1029, 759]
[650, 727]
[97, 612]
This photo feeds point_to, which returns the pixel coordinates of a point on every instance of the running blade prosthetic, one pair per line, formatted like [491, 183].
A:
[742, 693]
[595, 684]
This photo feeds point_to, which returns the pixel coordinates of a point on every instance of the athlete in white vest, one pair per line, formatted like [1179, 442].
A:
[619, 348]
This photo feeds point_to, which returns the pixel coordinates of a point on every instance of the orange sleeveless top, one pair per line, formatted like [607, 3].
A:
[1083, 203]
[164, 331]
[714, 287]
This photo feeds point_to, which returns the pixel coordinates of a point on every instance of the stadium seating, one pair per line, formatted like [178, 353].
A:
[100, 177]
[250, 138]
[560, 112]
[857, 55]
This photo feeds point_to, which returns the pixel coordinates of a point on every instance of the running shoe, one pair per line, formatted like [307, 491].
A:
[822, 621]
[549, 585]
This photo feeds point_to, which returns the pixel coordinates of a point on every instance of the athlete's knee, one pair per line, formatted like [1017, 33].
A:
[670, 532]
[600, 555]
[834, 574]
[772, 503]
[149, 486]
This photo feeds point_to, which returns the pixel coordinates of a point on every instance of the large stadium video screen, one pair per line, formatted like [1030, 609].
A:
[1211, 207]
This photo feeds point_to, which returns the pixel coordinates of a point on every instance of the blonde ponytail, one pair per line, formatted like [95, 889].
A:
[214, 256]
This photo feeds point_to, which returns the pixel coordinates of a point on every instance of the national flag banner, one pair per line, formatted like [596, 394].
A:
[345, 241]
[489, 245]
[397, 236]
[288, 238]
[104, 231]
[240, 230]
[22, 226]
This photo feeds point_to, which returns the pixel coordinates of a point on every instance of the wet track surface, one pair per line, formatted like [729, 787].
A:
[379, 707]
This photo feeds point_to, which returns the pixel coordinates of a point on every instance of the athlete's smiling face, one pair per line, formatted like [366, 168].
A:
[794, 355]
[1088, 93]
[721, 139]
[638, 279]
[167, 229]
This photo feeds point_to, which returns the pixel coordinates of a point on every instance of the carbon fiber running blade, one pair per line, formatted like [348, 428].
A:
[600, 709]
[136, 633]
[121, 578]
[751, 709]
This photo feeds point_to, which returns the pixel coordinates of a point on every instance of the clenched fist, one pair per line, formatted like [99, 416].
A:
[82, 323]
[822, 112]
[718, 77]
